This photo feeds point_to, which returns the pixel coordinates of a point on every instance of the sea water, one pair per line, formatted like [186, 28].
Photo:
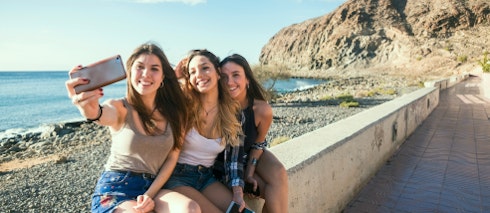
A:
[293, 84]
[29, 101]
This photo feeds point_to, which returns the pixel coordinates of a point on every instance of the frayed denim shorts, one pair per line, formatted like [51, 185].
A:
[197, 177]
[115, 187]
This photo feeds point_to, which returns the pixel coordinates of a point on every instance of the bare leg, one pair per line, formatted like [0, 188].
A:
[170, 201]
[205, 204]
[219, 195]
[273, 173]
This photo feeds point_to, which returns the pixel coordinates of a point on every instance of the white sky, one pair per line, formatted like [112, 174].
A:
[45, 35]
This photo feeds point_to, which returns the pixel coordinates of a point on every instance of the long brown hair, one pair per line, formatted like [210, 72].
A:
[227, 124]
[169, 101]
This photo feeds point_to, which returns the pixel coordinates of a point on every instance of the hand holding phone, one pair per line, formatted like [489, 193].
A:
[249, 189]
[101, 73]
[235, 208]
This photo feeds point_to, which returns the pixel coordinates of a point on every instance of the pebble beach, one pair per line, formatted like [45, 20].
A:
[57, 169]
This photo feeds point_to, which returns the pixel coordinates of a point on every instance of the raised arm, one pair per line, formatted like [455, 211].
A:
[106, 114]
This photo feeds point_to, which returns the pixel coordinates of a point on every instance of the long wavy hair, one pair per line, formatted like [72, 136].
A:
[227, 123]
[254, 89]
[170, 100]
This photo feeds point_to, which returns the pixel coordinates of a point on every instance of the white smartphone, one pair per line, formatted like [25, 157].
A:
[235, 207]
[101, 73]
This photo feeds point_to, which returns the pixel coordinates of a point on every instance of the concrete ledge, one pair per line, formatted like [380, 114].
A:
[329, 166]
[447, 82]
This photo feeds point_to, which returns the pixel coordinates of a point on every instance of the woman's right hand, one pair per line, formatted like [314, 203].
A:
[87, 102]
[253, 181]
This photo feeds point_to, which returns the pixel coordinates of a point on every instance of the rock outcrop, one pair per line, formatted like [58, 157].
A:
[412, 37]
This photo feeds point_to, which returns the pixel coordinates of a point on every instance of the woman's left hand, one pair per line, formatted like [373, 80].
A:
[144, 203]
[238, 198]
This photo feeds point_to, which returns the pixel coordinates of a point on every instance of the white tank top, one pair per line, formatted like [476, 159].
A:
[198, 150]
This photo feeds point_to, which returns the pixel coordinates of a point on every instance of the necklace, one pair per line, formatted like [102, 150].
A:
[153, 121]
[211, 110]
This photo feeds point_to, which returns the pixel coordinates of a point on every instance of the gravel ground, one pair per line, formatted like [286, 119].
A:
[77, 151]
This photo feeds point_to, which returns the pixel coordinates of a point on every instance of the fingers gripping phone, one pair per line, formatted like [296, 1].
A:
[235, 207]
[101, 73]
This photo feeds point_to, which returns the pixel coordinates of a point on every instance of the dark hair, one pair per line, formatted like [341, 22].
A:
[254, 89]
[226, 125]
[169, 100]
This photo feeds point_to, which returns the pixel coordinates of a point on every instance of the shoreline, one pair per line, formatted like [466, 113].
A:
[57, 170]
[290, 118]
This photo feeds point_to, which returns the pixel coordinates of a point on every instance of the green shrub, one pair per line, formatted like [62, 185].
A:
[485, 62]
[279, 140]
[462, 58]
[326, 98]
[448, 47]
[345, 97]
[389, 91]
[348, 104]
[371, 93]
[381, 91]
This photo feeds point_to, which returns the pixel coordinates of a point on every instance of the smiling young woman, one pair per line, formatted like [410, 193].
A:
[264, 173]
[147, 129]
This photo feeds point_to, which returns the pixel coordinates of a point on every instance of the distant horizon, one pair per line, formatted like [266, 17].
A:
[34, 70]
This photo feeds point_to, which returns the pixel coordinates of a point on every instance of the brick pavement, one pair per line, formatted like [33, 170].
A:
[444, 166]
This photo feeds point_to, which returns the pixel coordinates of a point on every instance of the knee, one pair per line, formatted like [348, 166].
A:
[279, 173]
[193, 207]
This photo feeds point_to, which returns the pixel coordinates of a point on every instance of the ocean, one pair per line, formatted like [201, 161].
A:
[32, 100]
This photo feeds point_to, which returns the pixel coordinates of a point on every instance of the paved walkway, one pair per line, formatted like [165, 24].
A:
[444, 166]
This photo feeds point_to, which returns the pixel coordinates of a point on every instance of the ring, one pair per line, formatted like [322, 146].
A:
[78, 99]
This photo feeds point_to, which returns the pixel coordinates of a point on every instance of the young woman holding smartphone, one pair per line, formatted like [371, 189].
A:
[147, 128]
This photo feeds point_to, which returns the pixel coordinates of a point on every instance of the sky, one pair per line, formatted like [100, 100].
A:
[56, 35]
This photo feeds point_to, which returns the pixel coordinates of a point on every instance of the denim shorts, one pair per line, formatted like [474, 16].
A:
[115, 187]
[197, 177]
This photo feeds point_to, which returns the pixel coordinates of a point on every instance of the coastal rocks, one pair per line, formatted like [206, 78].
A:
[54, 138]
[410, 37]
[360, 87]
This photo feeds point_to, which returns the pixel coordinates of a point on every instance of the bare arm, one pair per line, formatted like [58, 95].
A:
[145, 202]
[263, 121]
[164, 173]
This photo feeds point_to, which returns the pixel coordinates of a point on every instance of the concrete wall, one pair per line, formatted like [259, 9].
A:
[329, 166]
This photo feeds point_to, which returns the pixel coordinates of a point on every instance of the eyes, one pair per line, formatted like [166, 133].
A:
[154, 68]
[204, 68]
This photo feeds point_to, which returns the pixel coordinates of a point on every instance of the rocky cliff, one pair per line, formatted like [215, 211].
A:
[410, 37]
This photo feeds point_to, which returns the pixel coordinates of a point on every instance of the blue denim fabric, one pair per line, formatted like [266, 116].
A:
[115, 187]
[197, 177]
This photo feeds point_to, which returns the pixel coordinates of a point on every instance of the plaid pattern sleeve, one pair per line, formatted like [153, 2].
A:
[235, 167]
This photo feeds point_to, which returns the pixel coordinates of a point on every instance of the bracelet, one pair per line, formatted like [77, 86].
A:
[253, 161]
[260, 145]
[98, 116]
